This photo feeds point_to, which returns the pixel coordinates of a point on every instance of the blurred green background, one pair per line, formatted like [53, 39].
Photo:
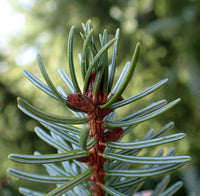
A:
[169, 32]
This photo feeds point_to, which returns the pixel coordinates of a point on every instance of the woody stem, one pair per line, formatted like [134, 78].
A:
[96, 158]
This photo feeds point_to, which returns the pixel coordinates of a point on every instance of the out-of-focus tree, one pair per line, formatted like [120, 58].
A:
[169, 34]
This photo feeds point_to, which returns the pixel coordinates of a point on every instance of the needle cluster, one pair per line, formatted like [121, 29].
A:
[93, 159]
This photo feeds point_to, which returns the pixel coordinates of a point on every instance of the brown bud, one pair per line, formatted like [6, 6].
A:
[80, 102]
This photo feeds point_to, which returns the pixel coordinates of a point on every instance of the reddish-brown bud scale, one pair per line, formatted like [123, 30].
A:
[80, 102]
[90, 104]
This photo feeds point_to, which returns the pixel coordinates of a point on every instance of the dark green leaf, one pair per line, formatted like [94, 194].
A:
[61, 126]
[94, 61]
[172, 189]
[84, 67]
[102, 70]
[29, 192]
[127, 79]
[158, 170]
[39, 178]
[113, 63]
[127, 183]
[121, 78]
[39, 84]
[66, 79]
[51, 158]
[70, 184]
[47, 79]
[147, 160]
[30, 109]
[71, 61]
[161, 186]
[139, 95]
[150, 108]
[53, 169]
[111, 191]
[83, 138]
[143, 118]
[166, 128]
[53, 142]
[105, 64]
[146, 143]
[64, 135]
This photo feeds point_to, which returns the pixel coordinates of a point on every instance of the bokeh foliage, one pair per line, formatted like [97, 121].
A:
[169, 35]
